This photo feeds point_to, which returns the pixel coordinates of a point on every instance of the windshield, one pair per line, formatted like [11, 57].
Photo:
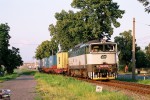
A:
[103, 47]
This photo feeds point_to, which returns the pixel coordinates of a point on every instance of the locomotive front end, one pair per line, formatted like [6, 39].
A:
[102, 61]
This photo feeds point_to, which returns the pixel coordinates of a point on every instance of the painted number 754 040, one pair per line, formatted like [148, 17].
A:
[103, 56]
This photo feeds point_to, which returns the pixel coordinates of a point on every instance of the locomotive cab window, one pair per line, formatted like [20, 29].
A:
[103, 47]
[96, 48]
[109, 47]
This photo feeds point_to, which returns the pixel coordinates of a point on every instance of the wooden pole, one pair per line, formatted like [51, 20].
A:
[133, 51]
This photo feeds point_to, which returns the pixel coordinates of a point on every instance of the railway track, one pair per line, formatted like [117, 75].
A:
[130, 86]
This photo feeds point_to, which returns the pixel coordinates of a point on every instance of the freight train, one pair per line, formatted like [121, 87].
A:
[93, 60]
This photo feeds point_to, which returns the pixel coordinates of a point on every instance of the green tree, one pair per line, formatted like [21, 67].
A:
[95, 19]
[124, 42]
[4, 42]
[45, 49]
[99, 16]
[10, 59]
[147, 48]
[13, 61]
[141, 59]
[53, 47]
[146, 3]
[65, 31]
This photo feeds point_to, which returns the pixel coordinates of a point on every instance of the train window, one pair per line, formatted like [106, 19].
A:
[59, 60]
[109, 47]
[97, 48]
[87, 49]
[80, 51]
[83, 50]
[100, 47]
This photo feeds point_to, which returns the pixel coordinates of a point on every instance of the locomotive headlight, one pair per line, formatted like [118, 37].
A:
[110, 69]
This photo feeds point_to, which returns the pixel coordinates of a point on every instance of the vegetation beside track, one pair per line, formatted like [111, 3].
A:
[8, 77]
[56, 87]
[17, 73]
[146, 82]
[27, 72]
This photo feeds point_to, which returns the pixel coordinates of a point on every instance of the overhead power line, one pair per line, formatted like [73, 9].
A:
[143, 23]
[25, 43]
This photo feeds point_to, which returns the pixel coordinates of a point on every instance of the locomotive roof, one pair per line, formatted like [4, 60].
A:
[93, 42]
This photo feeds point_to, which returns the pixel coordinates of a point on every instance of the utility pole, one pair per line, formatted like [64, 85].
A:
[133, 51]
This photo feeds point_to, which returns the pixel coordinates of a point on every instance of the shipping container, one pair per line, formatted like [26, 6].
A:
[62, 60]
[52, 60]
[46, 62]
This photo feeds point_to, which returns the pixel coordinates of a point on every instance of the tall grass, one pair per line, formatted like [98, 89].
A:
[56, 87]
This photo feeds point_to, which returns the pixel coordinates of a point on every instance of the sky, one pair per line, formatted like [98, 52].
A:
[29, 21]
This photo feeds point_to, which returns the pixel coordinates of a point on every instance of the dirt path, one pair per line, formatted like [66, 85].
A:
[22, 88]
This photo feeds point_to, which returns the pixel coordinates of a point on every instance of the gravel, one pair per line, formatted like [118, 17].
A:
[22, 88]
[130, 94]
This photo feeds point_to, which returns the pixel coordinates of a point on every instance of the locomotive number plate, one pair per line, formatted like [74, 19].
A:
[103, 56]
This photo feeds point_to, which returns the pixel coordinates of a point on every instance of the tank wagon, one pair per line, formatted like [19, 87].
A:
[93, 60]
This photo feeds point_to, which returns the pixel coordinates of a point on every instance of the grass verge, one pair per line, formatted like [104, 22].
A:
[56, 87]
[17, 73]
[9, 77]
[27, 72]
[146, 82]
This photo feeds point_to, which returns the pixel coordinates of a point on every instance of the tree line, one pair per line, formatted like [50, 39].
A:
[124, 43]
[94, 19]
[9, 58]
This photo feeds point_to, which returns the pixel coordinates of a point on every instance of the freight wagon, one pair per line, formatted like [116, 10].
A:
[55, 63]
